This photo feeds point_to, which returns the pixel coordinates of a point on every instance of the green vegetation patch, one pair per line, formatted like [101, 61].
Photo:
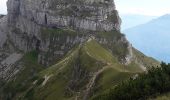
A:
[109, 78]
[134, 67]
[156, 81]
[115, 43]
[57, 32]
[111, 35]
[69, 75]
[55, 88]
[148, 62]
[96, 51]
[24, 79]
[164, 96]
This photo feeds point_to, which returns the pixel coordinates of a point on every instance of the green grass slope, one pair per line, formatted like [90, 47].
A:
[87, 70]
[68, 79]
[146, 61]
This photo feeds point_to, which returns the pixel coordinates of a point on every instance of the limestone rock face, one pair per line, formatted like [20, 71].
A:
[77, 14]
[8, 58]
[27, 19]
[9, 67]
[3, 35]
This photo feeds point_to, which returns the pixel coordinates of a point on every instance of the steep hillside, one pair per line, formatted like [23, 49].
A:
[154, 32]
[64, 50]
[87, 70]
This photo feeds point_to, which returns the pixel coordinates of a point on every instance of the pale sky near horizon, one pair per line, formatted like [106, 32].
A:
[3, 8]
[142, 7]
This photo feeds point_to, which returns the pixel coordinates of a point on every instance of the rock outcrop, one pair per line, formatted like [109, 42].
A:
[26, 21]
[76, 14]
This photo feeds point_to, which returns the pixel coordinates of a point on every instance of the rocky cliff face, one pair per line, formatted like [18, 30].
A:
[76, 14]
[27, 21]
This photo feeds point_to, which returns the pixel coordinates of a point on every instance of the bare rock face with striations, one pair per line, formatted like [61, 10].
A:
[27, 23]
[76, 14]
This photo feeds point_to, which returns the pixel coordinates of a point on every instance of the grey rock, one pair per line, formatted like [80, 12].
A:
[8, 66]
[88, 15]
[3, 35]
[1, 16]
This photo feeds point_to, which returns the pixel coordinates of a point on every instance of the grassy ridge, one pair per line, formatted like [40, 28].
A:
[91, 56]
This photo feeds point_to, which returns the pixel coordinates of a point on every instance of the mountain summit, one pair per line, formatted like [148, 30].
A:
[64, 50]
[82, 18]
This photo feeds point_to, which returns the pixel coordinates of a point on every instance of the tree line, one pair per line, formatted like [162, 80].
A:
[156, 81]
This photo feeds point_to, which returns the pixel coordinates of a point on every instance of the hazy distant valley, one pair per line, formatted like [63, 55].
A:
[132, 20]
[152, 37]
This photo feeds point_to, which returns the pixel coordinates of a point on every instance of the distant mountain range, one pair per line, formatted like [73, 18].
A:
[152, 38]
[131, 20]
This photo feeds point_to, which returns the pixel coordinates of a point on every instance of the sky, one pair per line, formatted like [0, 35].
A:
[3, 8]
[142, 7]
